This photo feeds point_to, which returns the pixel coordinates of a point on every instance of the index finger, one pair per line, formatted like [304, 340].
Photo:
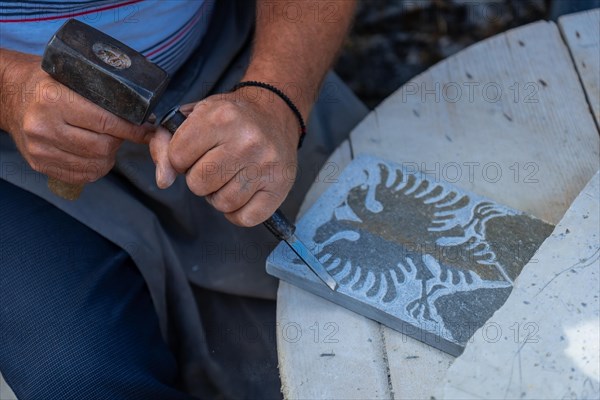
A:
[92, 117]
[260, 207]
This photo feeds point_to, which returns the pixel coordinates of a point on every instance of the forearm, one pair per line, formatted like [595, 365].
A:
[296, 42]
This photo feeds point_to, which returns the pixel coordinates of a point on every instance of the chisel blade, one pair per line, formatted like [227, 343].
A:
[309, 259]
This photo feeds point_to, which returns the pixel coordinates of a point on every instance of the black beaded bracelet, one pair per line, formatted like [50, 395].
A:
[283, 97]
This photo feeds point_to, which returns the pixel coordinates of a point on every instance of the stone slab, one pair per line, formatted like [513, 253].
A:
[544, 343]
[424, 257]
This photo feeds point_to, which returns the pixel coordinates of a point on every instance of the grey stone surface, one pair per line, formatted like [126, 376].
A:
[423, 257]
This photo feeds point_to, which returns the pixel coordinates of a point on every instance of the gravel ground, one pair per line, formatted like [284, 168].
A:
[394, 40]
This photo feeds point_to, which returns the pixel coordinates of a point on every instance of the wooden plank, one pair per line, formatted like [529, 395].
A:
[338, 354]
[326, 351]
[582, 34]
[544, 343]
[5, 391]
[416, 369]
[519, 131]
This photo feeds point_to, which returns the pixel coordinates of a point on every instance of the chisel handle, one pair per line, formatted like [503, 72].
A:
[277, 224]
[280, 226]
[173, 120]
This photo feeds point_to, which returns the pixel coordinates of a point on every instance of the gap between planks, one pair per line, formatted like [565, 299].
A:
[575, 28]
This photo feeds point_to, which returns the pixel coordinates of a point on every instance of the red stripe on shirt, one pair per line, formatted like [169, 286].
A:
[49, 18]
[178, 36]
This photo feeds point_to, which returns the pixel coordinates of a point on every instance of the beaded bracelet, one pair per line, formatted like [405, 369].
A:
[283, 97]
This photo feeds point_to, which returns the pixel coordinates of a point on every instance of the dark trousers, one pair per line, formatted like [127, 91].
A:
[77, 321]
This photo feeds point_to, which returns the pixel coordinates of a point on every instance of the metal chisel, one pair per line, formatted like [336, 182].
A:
[283, 229]
[278, 224]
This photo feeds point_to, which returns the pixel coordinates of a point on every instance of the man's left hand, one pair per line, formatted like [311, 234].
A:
[238, 150]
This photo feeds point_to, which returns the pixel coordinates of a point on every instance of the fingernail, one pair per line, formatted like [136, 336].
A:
[158, 177]
[164, 177]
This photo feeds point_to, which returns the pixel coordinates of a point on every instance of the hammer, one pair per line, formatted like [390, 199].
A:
[106, 72]
[124, 82]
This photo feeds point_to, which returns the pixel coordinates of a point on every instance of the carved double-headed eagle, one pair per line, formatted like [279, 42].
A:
[401, 235]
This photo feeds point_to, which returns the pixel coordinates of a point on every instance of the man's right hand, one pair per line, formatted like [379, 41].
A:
[58, 132]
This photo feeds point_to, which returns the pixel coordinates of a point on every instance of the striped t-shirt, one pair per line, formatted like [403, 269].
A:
[166, 32]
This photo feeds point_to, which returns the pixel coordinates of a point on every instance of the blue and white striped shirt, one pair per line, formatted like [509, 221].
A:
[166, 32]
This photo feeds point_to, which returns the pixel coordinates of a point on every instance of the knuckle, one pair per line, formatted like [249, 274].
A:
[270, 154]
[176, 157]
[246, 219]
[225, 113]
[112, 145]
[224, 204]
[92, 151]
[195, 185]
[79, 179]
[98, 169]
[177, 162]
[251, 138]
[36, 150]
[33, 126]
[36, 166]
[103, 150]
[106, 122]
[108, 164]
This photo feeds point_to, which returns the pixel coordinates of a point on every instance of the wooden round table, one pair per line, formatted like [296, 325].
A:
[513, 118]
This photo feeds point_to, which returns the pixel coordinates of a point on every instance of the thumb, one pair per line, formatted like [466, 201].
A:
[159, 151]
[187, 109]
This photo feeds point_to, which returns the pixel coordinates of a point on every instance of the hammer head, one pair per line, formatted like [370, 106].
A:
[104, 71]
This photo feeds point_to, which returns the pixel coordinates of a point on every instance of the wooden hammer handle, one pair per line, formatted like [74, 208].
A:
[68, 191]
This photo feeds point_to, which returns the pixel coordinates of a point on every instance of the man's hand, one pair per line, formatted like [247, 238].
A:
[236, 149]
[239, 149]
[58, 132]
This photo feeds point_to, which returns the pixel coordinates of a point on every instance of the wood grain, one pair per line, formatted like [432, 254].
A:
[581, 31]
[416, 369]
[338, 355]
